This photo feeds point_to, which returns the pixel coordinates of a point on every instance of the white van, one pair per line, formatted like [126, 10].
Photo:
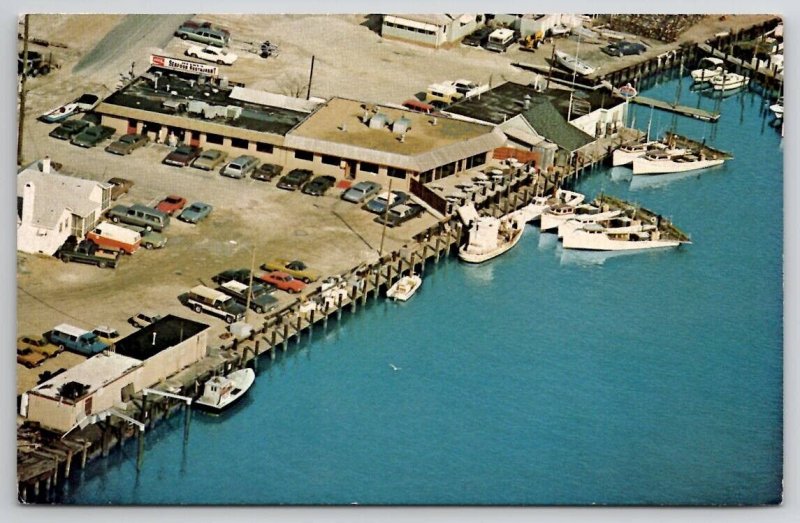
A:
[107, 234]
[500, 40]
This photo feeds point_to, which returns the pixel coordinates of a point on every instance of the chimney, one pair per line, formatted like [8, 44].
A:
[28, 199]
[46, 165]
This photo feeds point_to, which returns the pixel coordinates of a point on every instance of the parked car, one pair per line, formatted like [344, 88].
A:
[296, 268]
[360, 192]
[38, 344]
[183, 155]
[107, 335]
[142, 319]
[210, 159]
[283, 281]
[212, 53]
[29, 358]
[68, 129]
[150, 239]
[240, 166]
[195, 212]
[240, 275]
[171, 203]
[266, 172]
[420, 107]
[119, 186]
[319, 185]
[141, 215]
[295, 178]
[88, 252]
[260, 299]
[92, 135]
[127, 143]
[400, 214]
[386, 199]
[623, 48]
[478, 37]
[203, 33]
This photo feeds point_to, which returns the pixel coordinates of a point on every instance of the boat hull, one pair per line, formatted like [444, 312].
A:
[581, 240]
[646, 166]
[483, 256]
[242, 380]
[404, 288]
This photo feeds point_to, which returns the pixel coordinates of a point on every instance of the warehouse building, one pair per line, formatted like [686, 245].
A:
[433, 30]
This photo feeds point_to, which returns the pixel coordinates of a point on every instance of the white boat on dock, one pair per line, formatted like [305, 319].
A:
[404, 288]
[579, 221]
[558, 214]
[489, 237]
[574, 64]
[709, 67]
[533, 211]
[595, 237]
[662, 163]
[221, 391]
[728, 82]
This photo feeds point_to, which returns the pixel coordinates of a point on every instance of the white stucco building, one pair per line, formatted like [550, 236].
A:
[52, 206]
[433, 30]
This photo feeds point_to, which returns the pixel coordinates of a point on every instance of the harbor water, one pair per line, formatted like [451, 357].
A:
[542, 377]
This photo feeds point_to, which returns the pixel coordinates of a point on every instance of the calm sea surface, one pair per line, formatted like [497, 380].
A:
[542, 377]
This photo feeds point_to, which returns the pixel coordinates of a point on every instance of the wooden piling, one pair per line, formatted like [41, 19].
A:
[339, 307]
[298, 328]
[285, 337]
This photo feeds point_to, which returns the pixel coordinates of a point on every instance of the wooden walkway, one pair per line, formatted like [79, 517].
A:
[700, 114]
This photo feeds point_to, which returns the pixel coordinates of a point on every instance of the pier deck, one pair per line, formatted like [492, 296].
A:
[700, 114]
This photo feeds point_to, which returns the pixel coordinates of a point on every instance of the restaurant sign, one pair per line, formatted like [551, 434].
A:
[182, 65]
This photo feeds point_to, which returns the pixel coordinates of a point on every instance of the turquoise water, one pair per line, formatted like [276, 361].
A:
[542, 377]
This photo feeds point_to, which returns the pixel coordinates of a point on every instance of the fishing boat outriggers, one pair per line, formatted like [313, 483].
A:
[489, 237]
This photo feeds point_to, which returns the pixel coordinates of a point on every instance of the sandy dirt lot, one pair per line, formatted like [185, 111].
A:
[351, 60]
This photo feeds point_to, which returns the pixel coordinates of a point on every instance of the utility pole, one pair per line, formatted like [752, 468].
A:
[21, 123]
[250, 285]
[310, 77]
[385, 214]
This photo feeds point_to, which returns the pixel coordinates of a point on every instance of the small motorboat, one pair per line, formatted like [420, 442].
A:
[728, 81]
[777, 109]
[709, 67]
[574, 64]
[221, 391]
[404, 288]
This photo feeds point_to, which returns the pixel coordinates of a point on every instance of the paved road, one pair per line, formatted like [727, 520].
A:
[123, 44]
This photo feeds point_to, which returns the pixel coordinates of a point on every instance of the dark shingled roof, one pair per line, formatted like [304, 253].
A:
[161, 335]
[545, 118]
[508, 100]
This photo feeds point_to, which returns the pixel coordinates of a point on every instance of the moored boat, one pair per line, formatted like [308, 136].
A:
[558, 214]
[489, 237]
[728, 81]
[709, 67]
[221, 391]
[574, 64]
[595, 237]
[777, 109]
[661, 163]
[579, 221]
[404, 288]
[627, 153]
[533, 211]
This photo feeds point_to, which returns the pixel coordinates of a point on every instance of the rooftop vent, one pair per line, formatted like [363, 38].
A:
[73, 390]
[401, 125]
[379, 121]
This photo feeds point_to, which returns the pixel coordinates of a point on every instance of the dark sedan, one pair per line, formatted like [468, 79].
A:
[295, 179]
[379, 204]
[127, 143]
[68, 129]
[266, 172]
[240, 275]
[400, 214]
[319, 185]
[92, 135]
[477, 38]
[182, 155]
[624, 48]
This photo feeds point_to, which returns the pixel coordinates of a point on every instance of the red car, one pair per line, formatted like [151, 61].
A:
[171, 203]
[283, 281]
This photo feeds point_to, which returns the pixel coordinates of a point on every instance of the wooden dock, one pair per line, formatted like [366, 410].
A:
[700, 114]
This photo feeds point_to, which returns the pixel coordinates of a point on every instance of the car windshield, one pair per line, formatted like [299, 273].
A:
[195, 208]
[183, 150]
[210, 154]
[128, 138]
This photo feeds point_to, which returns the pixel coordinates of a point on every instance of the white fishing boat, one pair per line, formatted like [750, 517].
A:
[579, 221]
[627, 153]
[574, 64]
[489, 237]
[558, 214]
[533, 211]
[662, 163]
[404, 288]
[595, 237]
[221, 391]
[709, 68]
[728, 82]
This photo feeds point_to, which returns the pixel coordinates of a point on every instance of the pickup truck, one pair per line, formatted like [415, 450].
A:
[88, 252]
